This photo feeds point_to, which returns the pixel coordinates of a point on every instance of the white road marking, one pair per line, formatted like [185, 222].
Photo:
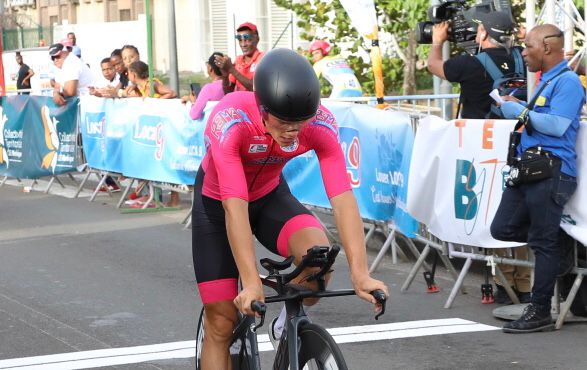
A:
[186, 349]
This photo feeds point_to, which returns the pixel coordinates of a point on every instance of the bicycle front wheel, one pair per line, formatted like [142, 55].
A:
[318, 349]
[199, 339]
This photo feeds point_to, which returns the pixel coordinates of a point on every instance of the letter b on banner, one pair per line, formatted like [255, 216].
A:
[465, 198]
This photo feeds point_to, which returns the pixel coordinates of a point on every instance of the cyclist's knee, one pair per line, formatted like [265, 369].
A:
[220, 319]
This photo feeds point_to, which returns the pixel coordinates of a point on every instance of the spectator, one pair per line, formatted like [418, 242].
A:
[495, 37]
[335, 70]
[119, 67]
[129, 55]
[239, 76]
[72, 76]
[74, 48]
[109, 82]
[212, 91]
[531, 207]
[23, 80]
[138, 74]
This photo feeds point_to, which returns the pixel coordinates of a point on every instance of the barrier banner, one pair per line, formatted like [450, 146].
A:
[37, 137]
[457, 178]
[377, 146]
[151, 139]
[574, 220]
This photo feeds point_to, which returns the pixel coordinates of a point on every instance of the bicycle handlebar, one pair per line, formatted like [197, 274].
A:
[260, 308]
[381, 298]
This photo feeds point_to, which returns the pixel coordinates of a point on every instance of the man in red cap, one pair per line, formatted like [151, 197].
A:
[238, 76]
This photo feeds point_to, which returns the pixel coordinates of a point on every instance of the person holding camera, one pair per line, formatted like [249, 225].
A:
[543, 173]
[495, 38]
[495, 35]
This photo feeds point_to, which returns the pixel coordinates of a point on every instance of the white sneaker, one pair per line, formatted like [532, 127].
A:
[272, 337]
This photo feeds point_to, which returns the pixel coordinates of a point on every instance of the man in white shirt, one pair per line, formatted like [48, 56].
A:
[72, 76]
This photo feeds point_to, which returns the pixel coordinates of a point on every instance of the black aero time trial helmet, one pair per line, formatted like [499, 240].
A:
[286, 85]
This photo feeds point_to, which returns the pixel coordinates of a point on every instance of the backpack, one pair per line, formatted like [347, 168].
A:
[513, 84]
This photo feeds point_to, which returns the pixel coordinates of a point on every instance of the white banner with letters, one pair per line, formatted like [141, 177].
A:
[457, 178]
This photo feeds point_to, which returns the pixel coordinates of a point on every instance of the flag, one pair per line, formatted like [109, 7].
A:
[364, 18]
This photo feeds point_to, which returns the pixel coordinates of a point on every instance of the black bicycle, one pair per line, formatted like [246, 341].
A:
[309, 344]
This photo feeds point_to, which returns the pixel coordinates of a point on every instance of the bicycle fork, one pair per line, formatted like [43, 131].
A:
[289, 344]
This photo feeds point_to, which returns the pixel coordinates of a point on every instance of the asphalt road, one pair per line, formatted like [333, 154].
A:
[79, 277]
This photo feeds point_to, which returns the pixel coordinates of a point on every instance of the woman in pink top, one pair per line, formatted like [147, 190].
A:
[239, 193]
[210, 92]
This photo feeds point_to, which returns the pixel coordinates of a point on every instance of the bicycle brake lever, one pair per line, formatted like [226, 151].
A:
[380, 298]
[260, 308]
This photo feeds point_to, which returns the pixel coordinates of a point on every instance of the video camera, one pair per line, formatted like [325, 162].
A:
[462, 30]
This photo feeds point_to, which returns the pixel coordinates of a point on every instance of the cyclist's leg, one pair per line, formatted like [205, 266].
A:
[217, 277]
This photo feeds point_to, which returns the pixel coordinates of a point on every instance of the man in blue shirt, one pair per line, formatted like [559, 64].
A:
[531, 211]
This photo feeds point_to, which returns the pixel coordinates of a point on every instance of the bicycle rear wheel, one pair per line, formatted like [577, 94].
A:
[318, 350]
[199, 339]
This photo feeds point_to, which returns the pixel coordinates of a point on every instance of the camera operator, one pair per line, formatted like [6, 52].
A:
[495, 37]
[544, 177]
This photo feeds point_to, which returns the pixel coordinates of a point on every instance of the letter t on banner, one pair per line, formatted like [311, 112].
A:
[364, 18]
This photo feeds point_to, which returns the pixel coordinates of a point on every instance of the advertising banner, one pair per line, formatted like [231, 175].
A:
[457, 179]
[575, 215]
[377, 146]
[37, 138]
[151, 139]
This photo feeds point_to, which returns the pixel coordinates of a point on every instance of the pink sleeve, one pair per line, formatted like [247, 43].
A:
[327, 146]
[225, 150]
[204, 97]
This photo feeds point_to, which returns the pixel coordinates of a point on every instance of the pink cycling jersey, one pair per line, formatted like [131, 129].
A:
[243, 161]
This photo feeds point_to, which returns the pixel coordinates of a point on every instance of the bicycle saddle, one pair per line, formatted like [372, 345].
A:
[272, 265]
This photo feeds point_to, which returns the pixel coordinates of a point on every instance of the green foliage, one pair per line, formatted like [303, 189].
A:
[399, 17]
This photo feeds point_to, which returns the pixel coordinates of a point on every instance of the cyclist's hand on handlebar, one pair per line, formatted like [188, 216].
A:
[365, 285]
[247, 296]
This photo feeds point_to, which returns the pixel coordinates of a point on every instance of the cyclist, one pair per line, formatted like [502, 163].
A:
[239, 192]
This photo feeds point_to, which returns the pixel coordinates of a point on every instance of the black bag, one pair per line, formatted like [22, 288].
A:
[535, 165]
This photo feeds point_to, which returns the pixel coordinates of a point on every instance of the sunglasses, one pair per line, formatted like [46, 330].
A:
[245, 37]
[53, 58]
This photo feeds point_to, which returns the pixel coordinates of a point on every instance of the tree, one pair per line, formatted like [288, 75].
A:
[397, 17]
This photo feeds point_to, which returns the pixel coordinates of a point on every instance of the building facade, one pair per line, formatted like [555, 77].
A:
[202, 26]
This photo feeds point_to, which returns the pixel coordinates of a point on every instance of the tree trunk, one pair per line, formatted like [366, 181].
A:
[409, 84]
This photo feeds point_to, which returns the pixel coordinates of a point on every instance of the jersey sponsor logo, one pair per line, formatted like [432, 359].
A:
[148, 131]
[351, 147]
[227, 118]
[269, 160]
[258, 148]
[292, 147]
[325, 119]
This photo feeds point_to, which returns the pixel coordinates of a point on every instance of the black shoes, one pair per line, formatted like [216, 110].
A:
[502, 297]
[535, 318]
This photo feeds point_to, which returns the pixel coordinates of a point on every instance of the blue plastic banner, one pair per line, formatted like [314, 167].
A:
[155, 139]
[151, 139]
[377, 146]
[37, 138]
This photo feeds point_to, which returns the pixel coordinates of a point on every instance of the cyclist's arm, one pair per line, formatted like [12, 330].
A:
[344, 205]
[240, 238]
[350, 228]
